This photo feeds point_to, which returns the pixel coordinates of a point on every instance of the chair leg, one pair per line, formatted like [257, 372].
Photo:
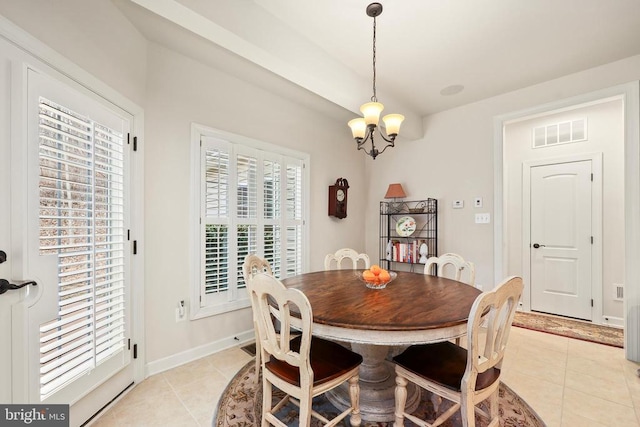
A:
[258, 352]
[493, 405]
[467, 411]
[435, 401]
[258, 361]
[401, 400]
[266, 401]
[354, 394]
[305, 411]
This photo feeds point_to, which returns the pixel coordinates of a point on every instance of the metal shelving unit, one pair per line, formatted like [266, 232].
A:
[404, 247]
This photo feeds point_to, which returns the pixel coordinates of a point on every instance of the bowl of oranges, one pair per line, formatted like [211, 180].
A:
[376, 277]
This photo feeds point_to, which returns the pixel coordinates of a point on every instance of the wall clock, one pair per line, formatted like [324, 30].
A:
[338, 198]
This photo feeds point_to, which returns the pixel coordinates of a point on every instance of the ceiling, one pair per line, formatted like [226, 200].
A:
[423, 47]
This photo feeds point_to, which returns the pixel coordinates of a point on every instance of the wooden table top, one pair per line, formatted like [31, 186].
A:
[412, 302]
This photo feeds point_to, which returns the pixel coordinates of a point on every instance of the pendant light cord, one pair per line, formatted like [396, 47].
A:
[374, 98]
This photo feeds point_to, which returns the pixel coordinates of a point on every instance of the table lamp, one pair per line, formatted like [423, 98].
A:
[395, 192]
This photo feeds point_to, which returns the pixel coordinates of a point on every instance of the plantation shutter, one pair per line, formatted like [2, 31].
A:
[246, 192]
[215, 221]
[272, 214]
[82, 221]
[246, 208]
[293, 214]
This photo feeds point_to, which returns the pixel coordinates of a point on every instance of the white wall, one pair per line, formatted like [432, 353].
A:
[181, 91]
[455, 160]
[93, 34]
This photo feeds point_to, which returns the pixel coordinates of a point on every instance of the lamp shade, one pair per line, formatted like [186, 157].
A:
[371, 112]
[392, 122]
[395, 191]
[358, 127]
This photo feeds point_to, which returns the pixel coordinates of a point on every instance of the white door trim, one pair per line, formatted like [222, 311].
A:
[596, 226]
[631, 95]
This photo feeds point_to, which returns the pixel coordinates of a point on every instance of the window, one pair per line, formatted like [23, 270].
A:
[250, 201]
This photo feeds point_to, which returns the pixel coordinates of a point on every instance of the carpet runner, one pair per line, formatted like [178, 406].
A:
[577, 329]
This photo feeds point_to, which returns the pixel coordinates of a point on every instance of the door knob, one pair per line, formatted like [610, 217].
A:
[3, 256]
[536, 245]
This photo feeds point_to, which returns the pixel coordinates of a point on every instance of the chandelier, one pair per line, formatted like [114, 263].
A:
[364, 128]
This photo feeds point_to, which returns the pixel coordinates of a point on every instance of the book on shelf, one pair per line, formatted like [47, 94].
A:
[407, 251]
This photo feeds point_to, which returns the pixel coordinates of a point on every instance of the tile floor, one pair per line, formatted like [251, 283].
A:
[569, 383]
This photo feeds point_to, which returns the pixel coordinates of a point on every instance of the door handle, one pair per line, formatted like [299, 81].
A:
[536, 245]
[6, 286]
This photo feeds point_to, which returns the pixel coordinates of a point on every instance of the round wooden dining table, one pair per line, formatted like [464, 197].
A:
[413, 309]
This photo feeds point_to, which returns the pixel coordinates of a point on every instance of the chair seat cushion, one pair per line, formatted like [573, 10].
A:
[329, 360]
[443, 363]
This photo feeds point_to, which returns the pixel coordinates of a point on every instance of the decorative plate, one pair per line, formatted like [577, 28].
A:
[375, 284]
[405, 226]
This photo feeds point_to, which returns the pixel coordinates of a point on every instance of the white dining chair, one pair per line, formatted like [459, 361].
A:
[253, 265]
[334, 261]
[465, 377]
[452, 266]
[303, 367]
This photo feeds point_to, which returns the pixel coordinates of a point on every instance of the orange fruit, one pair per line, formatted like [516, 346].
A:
[384, 276]
[368, 276]
[375, 269]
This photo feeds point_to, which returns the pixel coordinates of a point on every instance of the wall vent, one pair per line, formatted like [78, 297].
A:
[618, 292]
[560, 133]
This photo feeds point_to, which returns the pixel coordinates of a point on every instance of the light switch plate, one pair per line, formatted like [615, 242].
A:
[477, 202]
[458, 204]
[483, 218]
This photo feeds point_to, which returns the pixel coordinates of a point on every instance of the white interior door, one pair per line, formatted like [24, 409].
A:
[561, 239]
[71, 341]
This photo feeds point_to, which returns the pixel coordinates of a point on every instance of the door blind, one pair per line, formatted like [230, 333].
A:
[82, 221]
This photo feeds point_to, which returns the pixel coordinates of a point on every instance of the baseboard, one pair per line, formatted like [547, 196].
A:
[195, 353]
[617, 322]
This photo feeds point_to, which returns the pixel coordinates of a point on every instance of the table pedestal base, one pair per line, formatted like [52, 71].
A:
[377, 386]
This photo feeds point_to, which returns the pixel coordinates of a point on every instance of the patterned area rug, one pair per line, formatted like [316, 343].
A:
[241, 406]
[577, 329]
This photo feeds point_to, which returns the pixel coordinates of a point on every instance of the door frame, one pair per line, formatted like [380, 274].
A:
[596, 226]
[57, 66]
[630, 92]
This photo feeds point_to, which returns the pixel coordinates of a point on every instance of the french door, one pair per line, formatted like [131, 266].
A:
[74, 326]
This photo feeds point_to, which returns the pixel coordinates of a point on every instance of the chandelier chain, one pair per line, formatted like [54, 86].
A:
[374, 98]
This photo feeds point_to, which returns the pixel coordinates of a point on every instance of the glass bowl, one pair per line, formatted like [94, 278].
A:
[376, 285]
